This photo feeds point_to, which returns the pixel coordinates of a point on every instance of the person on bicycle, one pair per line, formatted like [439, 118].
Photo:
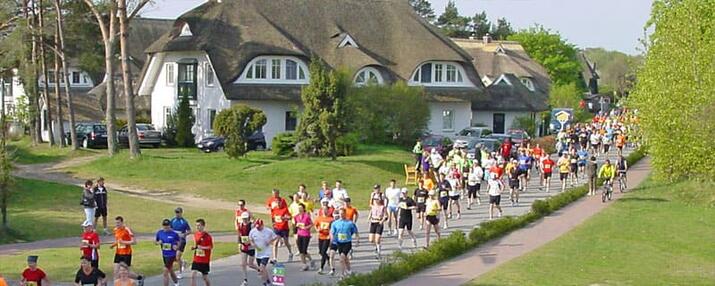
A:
[607, 172]
[621, 169]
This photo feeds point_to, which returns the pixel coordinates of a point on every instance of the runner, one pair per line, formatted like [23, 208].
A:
[2, 280]
[123, 241]
[592, 175]
[523, 166]
[595, 142]
[322, 226]
[33, 275]
[123, 277]
[513, 175]
[433, 206]
[248, 253]
[88, 274]
[564, 164]
[573, 167]
[421, 195]
[582, 160]
[406, 205]
[351, 213]
[325, 208]
[417, 150]
[392, 193]
[455, 181]
[275, 201]
[377, 218]
[203, 243]
[474, 184]
[376, 195]
[537, 152]
[621, 169]
[303, 223]
[90, 245]
[304, 198]
[280, 218]
[88, 202]
[341, 232]
[547, 168]
[339, 194]
[324, 191]
[181, 226]
[428, 182]
[169, 240]
[444, 189]
[495, 188]
[436, 161]
[620, 142]
[100, 198]
[262, 239]
[240, 209]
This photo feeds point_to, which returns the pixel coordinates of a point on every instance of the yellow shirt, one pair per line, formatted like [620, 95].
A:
[293, 208]
[564, 166]
[433, 207]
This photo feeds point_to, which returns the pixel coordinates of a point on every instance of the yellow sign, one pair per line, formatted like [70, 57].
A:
[562, 117]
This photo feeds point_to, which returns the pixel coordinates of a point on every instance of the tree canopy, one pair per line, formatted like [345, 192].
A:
[549, 49]
[453, 24]
[424, 9]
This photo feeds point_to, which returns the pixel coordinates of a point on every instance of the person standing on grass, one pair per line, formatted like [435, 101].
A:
[33, 275]
[168, 240]
[303, 223]
[101, 199]
[203, 244]
[123, 241]
[262, 239]
[89, 275]
[90, 244]
[392, 193]
[592, 175]
[281, 218]
[88, 202]
[377, 218]
[421, 195]
[123, 277]
[182, 227]
[406, 205]
[417, 150]
[564, 165]
[248, 253]
[341, 232]
[432, 210]
[547, 168]
[495, 188]
[322, 227]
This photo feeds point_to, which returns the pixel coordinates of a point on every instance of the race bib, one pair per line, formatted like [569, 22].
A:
[166, 246]
[200, 252]
[274, 204]
[342, 236]
[30, 283]
[403, 206]
[324, 225]
[278, 218]
[85, 241]
[300, 225]
[443, 194]
[245, 239]
[420, 199]
[121, 246]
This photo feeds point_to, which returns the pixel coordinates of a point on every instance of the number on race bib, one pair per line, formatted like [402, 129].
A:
[420, 200]
[274, 204]
[30, 283]
[245, 239]
[300, 225]
[342, 236]
[403, 206]
[278, 218]
[121, 246]
[442, 194]
[324, 225]
[200, 253]
[166, 246]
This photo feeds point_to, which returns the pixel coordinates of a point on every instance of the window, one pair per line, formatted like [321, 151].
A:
[85, 79]
[291, 121]
[51, 76]
[187, 80]
[209, 74]
[75, 77]
[347, 42]
[447, 120]
[169, 74]
[249, 73]
[451, 73]
[527, 83]
[368, 75]
[260, 70]
[212, 117]
[276, 68]
[291, 69]
[439, 73]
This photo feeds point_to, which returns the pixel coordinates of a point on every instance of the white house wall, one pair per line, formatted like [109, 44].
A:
[462, 116]
[275, 112]
[486, 118]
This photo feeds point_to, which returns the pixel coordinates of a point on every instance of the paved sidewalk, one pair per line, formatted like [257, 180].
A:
[471, 265]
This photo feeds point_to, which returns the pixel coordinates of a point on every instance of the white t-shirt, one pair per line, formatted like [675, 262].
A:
[595, 139]
[340, 194]
[475, 176]
[262, 239]
[494, 189]
[436, 159]
[393, 196]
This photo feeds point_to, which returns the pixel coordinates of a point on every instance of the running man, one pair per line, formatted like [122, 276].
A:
[523, 166]
[564, 165]
[169, 240]
[406, 205]
[248, 252]
[341, 232]
[495, 188]
[280, 218]
[392, 193]
[90, 244]
[322, 227]
[262, 239]
[547, 168]
[444, 189]
[455, 181]
[620, 142]
[421, 195]
[582, 160]
[377, 218]
[433, 207]
[181, 226]
[339, 194]
[123, 241]
[203, 243]
[303, 223]
[33, 275]
[514, 176]
[100, 198]
[621, 169]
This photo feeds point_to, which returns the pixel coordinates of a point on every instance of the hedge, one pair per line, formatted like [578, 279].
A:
[404, 265]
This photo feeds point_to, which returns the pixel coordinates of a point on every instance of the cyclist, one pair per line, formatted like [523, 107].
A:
[607, 172]
[621, 169]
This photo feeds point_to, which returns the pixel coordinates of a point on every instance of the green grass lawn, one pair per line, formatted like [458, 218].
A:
[25, 153]
[661, 234]
[61, 264]
[41, 210]
[252, 178]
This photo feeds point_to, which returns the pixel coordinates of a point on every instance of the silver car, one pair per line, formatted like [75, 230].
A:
[145, 132]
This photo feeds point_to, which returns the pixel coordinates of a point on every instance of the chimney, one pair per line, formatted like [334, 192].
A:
[487, 39]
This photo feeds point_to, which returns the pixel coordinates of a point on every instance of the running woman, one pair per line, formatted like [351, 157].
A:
[376, 195]
[433, 207]
[392, 193]
[444, 189]
[377, 218]
[203, 243]
[33, 275]
[421, 195]
[341, 232]
[573, 166]
[564, 165]
[90, 245]
[240, 209]
[513, 175]
[88, 274]
[547, 168]
[100, 198]
[280, 218]
[322, 227]
[181, 226]
[455, 180]
[406, 205]
[248, 253]
[303, 223]
[123, 241]
[495, 188]
[474, 183]
[169, 240]
[262, 239]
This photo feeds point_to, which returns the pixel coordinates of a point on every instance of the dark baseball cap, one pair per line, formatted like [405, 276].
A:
[165, 222]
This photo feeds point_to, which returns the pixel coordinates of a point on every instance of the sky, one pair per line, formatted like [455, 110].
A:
[611, 24]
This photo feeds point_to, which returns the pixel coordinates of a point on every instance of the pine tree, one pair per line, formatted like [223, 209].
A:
[424, 9]
[453, 24]
[184, 122]
[502, 30]
[481, 25]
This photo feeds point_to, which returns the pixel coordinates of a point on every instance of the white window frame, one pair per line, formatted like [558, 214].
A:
[249, 73]
[211, 120]
[186, 31]
[366, 72]
[79, 77]
[170, 74]
[441, 79]
[348, 41]
[448, 120]
[528, 83]
[500, 79]
[209, 77]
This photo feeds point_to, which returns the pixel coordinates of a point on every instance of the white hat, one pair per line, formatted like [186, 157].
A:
[404, 190]
[245, 215]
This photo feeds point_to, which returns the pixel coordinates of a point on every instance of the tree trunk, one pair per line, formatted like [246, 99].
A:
[58, 95]
[33, 100]
[4, 191]
[68, 93]
[134, 150]
[45, 73]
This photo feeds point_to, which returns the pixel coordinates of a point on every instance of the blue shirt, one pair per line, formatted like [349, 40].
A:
[582, 155]
[524, 162]
[168, 240]
[343, 230]
[180, 225]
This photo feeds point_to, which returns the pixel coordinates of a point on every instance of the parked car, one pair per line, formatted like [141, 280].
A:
[257, 141]
[441, 143]
[501, 137]
[145, 132]
[472, 145]
[473, 132]
[89, 135]
[518, 136]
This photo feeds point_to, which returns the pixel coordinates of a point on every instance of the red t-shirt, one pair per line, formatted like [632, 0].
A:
[280, 218]
[35, 276]
[276, 203]
[93, 239]
[243, 230]
[203, 239]
[548, 165]
[497, 170]
[506, 149]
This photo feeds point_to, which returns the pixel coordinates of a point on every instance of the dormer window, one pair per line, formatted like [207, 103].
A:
[500, 50]
[440, 74]
[528, 83]
[275, 69]
[186, 31]
[502, 80]
[367, 76]
[347, 42]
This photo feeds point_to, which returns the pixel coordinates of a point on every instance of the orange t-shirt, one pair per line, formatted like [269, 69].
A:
[123, 233]
[350, 213]
[280, 218]
[322, 225]
[429, 184]
[2, 281]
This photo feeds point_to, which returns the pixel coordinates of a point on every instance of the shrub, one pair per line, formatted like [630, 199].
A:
[525, 123]
[236, 124]
[284, 144]
[548, 143]
[540, 207]
[347, 144]
[184, 121]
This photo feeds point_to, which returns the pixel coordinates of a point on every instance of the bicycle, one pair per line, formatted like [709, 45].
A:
[622, 182]
[607, 191]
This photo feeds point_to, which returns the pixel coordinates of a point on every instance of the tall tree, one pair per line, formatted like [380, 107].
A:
[481, 25]
[5, 166]
[45, 73]
[31, 76]
[79, 26]
[453, 24]
[58, 94]
[553, 52]
[68, 93]
[424, 9]
[502, 30]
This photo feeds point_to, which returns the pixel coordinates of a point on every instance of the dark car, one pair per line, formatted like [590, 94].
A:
[473, 132]
[211, 144]
[145, 132]
[257, 141]
[89, 135]
[518, 136]
[441, 143]
[473, 145]
[501, 137]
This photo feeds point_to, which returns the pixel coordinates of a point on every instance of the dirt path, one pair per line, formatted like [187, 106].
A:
[57, 173]
[473, 264]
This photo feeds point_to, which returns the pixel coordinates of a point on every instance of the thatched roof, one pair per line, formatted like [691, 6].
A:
[388, 34]
[86, 107]
[515, 97]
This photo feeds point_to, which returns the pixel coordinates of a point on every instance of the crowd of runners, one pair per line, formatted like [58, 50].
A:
[448, 182]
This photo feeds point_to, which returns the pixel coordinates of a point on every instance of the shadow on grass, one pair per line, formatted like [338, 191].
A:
[23, 156]
[655, 200]
[396, 168]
